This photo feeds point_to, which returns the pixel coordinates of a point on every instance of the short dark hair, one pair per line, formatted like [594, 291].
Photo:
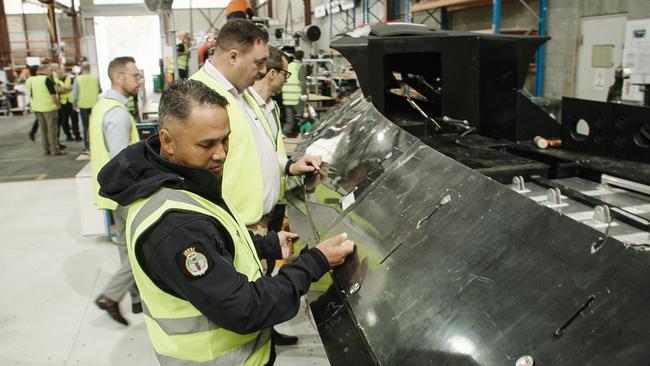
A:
[118, 63]
[275, 58]
[177, 101]
[240, 34]
[299, 55]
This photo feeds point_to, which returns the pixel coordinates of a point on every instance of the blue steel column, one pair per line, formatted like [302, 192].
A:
[496, 16]
[365, 14]
[539, 83]
[407, 11]
[396, 10]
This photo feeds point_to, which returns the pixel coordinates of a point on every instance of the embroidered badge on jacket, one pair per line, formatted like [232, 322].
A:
[195, 262]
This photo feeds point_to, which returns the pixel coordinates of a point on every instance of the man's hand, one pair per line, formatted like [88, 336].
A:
[306, 164]
[304, 98]
[336, 249]
[286, 243]
[313, 180]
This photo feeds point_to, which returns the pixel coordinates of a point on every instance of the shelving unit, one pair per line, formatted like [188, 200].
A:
[445, 6]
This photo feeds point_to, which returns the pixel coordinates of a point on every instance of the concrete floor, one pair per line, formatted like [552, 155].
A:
[50, 274]
[23, 159]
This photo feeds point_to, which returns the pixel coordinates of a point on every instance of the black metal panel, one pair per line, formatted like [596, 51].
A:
[533, 121]
[615, 130]
[630, 132]
[494, 163]
[470, 76]
[455, 269]
[595, 115]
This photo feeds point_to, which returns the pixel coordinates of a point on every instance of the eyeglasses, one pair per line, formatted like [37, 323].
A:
[136, 74]
[287, 74]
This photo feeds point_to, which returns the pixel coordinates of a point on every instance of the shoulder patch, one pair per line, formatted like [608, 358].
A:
[195, 263]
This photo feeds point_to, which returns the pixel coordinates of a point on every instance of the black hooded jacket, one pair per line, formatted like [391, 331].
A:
[222, 294]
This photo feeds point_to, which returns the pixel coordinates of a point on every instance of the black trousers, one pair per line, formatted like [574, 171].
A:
[275, 219]
[68, 114]
[85, 120]
[34, 127]
[182, 74]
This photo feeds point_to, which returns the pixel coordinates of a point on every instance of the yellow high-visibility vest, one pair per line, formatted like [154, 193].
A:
[64, 98]
[242, 182]
[99, 153]
[180, 333]
[88, 93]
[291, 91]
[41, 97]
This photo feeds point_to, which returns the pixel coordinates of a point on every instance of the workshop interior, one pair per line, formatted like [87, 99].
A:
[490, 160]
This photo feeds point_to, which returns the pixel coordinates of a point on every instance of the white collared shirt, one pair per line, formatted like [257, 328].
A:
[269, 113]
[268, 158]
[267, 108]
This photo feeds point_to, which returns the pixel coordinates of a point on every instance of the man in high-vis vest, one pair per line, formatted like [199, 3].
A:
[252, 173]
[204, 296]
[45, 104]
[112, 128]
[86, 91]
[33, 71]
[68, 119]
[183, 56]
[262, 91]
[294, 93]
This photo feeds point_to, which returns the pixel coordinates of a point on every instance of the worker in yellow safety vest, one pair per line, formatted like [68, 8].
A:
[85, 94]
[45, 104]
[294, 93]
[183, 55]
[112, 129]
[68, 119]
[204, 296]
[262, 92]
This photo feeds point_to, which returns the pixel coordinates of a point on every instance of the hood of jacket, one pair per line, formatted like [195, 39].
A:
[139, 171]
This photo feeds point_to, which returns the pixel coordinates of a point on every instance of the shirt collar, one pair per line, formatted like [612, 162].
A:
[114, 94]
[211, 70]
[257, 97]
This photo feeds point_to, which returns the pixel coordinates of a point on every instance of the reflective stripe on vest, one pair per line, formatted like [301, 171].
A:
[180, 333]
[99, 153]
[41, 97]
[242, 184]
[291, 91]
[88, 93]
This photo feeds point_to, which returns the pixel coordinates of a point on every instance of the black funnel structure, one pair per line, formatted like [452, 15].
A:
[463, 76]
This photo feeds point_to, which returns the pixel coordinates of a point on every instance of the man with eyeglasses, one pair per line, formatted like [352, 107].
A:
[262, 91]
[252, 174]
[112, 128]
